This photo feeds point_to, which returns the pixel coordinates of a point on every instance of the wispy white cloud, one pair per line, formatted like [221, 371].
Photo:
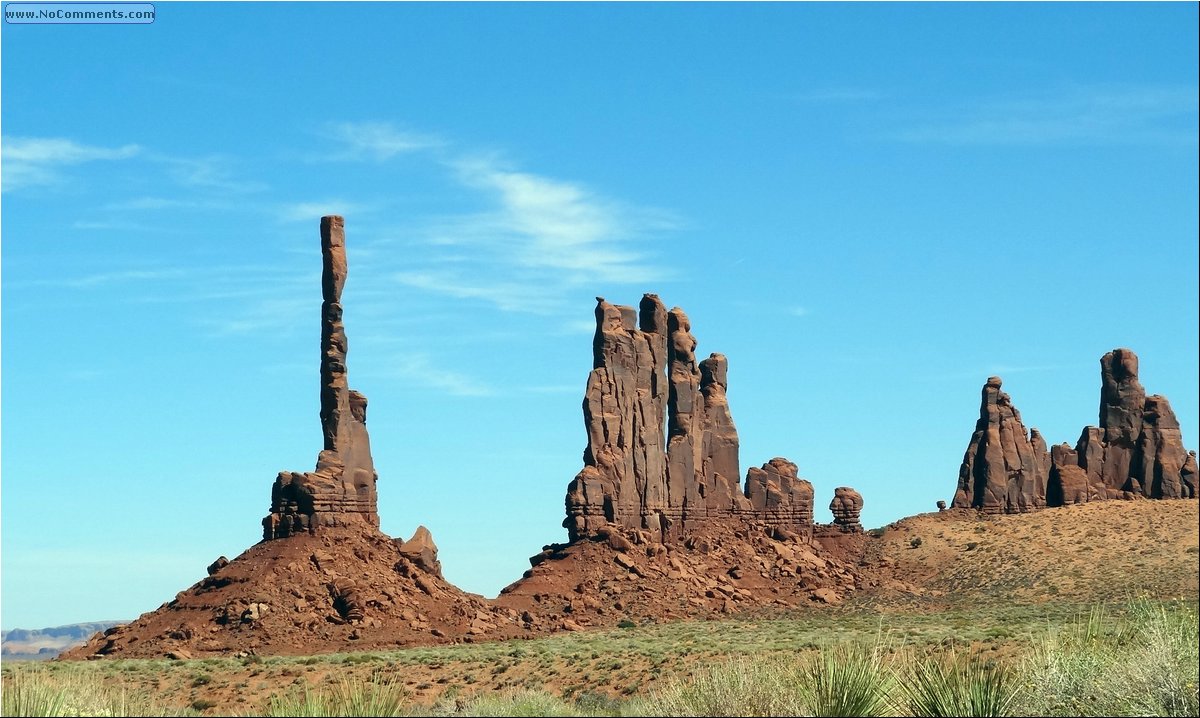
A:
[1097, 115]
[1001, 370]
[118, 225]
[373, 141]
[149, 203]
[213, 172]
[103, 279]
[553, 389]
[798, 311]
[272, 313]
[539, 237]
[39, 160]
[420, 371]
[313, 211]
[510, 296]
[578, 326]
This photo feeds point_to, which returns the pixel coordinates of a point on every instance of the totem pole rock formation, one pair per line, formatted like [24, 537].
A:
[1137, 451]
[638, 476]
[341, 490]
[1005, 468]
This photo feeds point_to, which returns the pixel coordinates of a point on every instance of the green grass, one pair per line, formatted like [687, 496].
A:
[1132, 658]
[1140, 662]
[37, 691]
[346, 698]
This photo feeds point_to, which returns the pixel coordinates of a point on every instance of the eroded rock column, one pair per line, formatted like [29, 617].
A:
[623, 480]
[341, 491]
[1001, 469]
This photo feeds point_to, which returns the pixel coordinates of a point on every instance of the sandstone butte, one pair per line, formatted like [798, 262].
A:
[1136, 452]
[659, 523]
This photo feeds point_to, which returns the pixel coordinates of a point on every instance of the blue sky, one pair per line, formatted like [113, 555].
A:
[869, 208]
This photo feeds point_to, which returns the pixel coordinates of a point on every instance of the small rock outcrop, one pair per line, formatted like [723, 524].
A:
[779, 497]
[1136, 452]
[1068, 482]
[846, 506]
[422, 551]
[1005, 468]
[341, 491]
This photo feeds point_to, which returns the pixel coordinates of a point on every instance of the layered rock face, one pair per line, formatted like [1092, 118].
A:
[1005, 468]
[779, 497]
[1137, 451]
[341, 490]
[636, 475]
[846, 506]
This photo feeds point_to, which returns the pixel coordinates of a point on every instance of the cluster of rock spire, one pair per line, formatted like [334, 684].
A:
[639, 476]
[1137, 451]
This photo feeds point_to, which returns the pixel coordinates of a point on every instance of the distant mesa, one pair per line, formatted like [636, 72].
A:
[1136, 452]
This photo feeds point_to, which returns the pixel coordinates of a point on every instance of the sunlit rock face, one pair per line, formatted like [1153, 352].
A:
[341, 490]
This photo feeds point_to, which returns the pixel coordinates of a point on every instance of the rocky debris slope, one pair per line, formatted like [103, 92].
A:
[1136, 452]
[722, 567]
[341, 588]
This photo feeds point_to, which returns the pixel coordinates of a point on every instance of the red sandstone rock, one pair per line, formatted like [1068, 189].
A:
[1001, 470]
[341, 491]
[1187, 476]
[1138, 448]
[639, 477]
[720, 474]
[1068, 483]
[1137, 451]
[846, 506]
[780, 498]
[422, 551]
[624, 476]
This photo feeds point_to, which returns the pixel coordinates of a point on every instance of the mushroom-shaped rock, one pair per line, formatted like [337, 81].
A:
[846, 506]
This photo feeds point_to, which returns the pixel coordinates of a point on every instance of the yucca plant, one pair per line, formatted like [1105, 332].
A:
[32, 693]
[951, 687]
[846, 681]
